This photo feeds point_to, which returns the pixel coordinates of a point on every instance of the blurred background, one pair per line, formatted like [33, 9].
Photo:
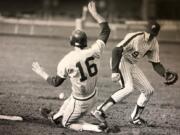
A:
[115, 10]
[46, 17]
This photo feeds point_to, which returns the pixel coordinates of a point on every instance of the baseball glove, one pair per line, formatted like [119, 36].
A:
[170, 77]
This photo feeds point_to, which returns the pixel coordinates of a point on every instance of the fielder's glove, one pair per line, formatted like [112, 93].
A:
[171, 77]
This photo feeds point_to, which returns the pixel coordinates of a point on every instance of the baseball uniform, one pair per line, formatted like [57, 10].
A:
[135, 50]
[81, 66]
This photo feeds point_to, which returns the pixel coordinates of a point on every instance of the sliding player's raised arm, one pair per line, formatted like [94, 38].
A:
[105, 30]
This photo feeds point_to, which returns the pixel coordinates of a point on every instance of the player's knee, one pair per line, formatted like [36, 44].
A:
[65, 123]
[129, 88]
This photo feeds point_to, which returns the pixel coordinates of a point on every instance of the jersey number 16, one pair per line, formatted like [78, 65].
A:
[91, 68]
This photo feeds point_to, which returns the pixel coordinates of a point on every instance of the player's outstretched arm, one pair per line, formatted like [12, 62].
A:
[94, 13]
[105, 30]
[52, 80]
[170, 76]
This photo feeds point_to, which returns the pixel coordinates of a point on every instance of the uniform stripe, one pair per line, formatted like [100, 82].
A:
[85, 99]
[141, 81]
[132, 38]
[124, 92]
[71, 112]
[126, 70]
[122, 79]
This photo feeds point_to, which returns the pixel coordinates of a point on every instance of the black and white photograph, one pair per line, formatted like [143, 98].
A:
[89, 67]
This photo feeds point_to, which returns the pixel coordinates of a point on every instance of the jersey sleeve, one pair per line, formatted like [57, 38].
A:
[105, 32]
[153, 54]
[128, 36]
[62, 68]
[97, 48]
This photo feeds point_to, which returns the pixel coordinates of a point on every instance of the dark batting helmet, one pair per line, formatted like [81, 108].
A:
[153, 28]
[78, 38]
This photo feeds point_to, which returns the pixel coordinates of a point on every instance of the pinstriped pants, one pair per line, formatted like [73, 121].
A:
[133, 78]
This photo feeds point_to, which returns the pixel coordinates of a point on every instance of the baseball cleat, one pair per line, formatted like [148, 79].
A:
[48, 114]
[104, 127]
[138, 121]
[99, 115]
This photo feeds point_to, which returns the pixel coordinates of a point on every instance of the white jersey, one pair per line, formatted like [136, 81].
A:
[82, 66]
[139, 47]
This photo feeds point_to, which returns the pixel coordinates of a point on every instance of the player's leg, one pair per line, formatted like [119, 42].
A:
[141, 83]
[125, 68]
[75, 111]
[52, 116]
[62, 108]
[84, 126]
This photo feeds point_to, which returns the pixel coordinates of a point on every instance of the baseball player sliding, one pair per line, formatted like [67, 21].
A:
[81, 66]
[125, 71]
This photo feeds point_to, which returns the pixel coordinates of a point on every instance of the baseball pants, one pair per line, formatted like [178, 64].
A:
[73, 109]
[133, 78]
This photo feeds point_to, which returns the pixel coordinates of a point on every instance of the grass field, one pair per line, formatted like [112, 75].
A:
[22, 92]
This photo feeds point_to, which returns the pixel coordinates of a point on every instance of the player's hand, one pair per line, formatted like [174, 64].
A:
[39, 70]
[115, 77]
[93, 12]
[92, 7]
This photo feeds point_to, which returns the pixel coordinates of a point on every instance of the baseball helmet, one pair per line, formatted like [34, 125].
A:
[78, 38]
[153, 28]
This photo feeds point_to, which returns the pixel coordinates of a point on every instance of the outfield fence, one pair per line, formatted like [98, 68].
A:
[170, 31]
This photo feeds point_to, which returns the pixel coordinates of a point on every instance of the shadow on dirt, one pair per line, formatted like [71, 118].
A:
[48, 98]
